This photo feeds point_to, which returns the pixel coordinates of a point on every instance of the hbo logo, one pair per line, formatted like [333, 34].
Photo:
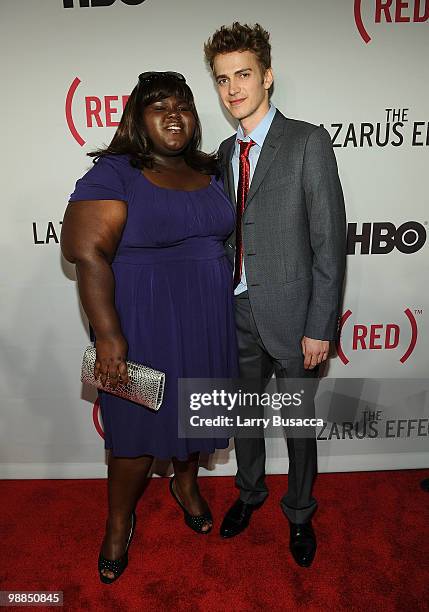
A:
[87, 3]
[383, 237]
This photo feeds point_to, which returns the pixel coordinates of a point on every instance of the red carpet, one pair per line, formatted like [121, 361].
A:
[373, 548]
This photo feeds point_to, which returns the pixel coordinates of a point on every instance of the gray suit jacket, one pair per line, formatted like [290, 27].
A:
[294, 235]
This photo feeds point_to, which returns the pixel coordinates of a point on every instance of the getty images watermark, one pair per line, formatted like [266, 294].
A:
[246, 408]
[238, 404]
[340, 409]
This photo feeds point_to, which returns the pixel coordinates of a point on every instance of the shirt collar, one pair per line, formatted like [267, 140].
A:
[259, 133]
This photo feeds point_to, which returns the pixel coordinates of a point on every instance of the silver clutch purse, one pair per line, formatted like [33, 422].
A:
[145, 386]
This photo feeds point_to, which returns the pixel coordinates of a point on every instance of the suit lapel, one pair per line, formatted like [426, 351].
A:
[229, 174]
[228, 177]
[269, 150]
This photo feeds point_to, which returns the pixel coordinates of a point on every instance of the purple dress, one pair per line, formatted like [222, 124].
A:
[173, 294]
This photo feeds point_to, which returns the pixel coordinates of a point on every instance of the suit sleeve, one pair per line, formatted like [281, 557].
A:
[327, 224]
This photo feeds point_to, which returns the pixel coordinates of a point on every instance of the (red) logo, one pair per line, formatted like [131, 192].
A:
[96, 417]
[104, 111]
[392, 11]
[378, 336]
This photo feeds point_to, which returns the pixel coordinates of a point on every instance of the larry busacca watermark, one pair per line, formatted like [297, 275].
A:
[340, 409]
[239, 401]
[246, 408]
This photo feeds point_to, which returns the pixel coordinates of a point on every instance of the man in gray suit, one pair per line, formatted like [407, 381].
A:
[288, 253]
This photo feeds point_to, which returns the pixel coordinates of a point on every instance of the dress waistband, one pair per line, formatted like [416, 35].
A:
[198, 248]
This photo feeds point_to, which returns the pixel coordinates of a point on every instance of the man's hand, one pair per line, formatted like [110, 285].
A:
[314, 351]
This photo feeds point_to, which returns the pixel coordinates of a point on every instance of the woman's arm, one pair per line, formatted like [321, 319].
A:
[90, 234]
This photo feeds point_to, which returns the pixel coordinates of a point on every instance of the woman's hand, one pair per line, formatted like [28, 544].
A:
[111, 360]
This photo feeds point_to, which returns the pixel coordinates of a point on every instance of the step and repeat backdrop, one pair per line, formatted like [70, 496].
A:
[357, 67]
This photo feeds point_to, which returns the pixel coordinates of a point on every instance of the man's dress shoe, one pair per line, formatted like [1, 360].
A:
[237, 518]
[302, 543]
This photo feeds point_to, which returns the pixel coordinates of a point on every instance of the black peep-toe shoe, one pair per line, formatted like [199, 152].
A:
[194, 522]
[117, 566]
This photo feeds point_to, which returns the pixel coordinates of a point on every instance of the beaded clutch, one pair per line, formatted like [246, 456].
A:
[145, 386]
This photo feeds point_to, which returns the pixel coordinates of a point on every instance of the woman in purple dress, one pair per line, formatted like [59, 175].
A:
[145, 227]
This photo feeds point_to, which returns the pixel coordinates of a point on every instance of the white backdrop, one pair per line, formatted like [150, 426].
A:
[339, 63]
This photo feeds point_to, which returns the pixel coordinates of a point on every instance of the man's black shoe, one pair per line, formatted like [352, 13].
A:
[237, 518]
[302, 543]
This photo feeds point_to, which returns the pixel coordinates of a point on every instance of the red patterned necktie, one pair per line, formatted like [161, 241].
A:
[243, 188]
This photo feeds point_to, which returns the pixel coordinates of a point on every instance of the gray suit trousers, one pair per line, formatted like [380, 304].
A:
[298, 504]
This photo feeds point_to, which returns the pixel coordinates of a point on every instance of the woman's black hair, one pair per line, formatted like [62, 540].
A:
[131, 139]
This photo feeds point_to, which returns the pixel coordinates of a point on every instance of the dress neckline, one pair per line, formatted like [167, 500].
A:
[178, 190]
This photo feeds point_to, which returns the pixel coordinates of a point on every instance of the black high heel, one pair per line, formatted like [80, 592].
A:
[194, 522]
[117, 566]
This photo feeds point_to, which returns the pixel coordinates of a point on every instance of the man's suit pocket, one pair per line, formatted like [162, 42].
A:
[301, 279]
